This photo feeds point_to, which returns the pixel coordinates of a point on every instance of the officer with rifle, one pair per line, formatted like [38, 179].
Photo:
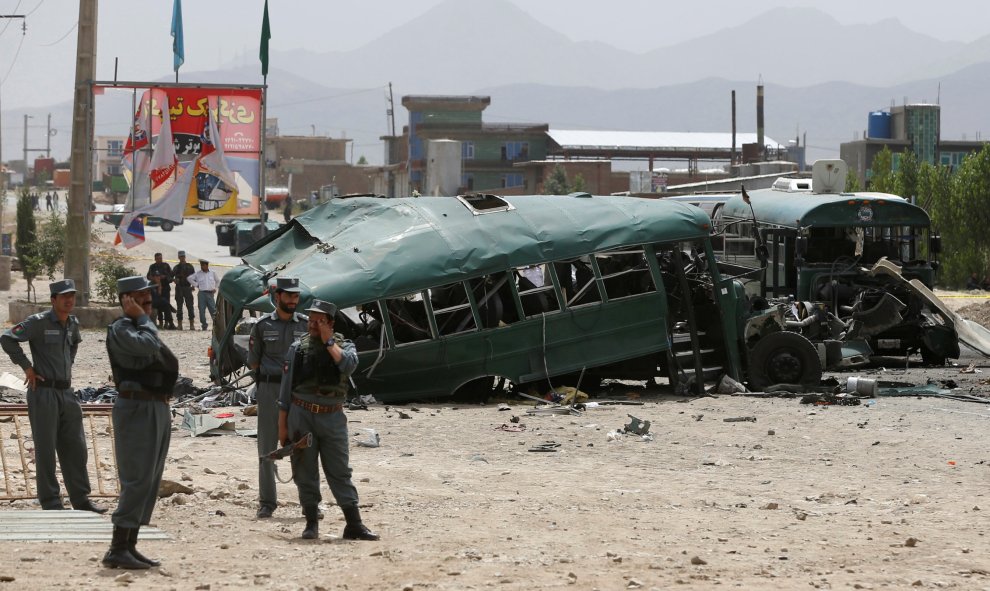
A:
[313, 390]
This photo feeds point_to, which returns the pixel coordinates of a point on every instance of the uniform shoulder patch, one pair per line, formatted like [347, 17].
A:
[18, 330]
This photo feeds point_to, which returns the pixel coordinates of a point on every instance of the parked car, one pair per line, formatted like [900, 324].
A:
[240, 234]
[117, 215]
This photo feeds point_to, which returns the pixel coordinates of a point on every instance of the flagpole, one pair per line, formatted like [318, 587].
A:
[262, 163]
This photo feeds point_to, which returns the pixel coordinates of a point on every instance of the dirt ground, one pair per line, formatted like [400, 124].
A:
[892, 494]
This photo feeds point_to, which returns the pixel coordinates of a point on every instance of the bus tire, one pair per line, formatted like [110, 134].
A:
[167, 226]
[479, 390]
[783, 358]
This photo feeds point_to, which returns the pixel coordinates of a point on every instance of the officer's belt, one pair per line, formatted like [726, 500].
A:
[54, 384]
[146, 396]
[318, 408]
[269, 379]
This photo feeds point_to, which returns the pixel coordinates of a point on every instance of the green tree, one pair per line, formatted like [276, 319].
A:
[50, 248]
[27, 237]
[967, 245]
[362, 161]
[852, 182]
[935, 196]
[906, 179]
[112, 266]
[556, 183]
[882, 169]
[578, 185]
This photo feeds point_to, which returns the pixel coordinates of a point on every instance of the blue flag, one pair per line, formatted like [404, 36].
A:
[177, 46]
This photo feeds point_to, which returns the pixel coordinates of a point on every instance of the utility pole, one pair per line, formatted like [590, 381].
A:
[48, 144]
[78, 218]
[26, 117]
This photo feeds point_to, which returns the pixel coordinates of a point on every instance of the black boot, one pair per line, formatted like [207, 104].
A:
[355, 530]
[119, 556]
[312, 531]
[132, 548]
[87, 505]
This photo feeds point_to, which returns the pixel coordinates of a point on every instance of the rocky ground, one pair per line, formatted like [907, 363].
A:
[892, 494]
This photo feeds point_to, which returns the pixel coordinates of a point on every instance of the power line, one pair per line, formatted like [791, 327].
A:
[10, 21]
[320, 98]
[40, 2]
[60, 39]
[14, 61]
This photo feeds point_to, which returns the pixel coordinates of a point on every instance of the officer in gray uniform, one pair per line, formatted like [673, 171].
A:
[271, 337]
[315, 384]
[144, 371]
[54, 412]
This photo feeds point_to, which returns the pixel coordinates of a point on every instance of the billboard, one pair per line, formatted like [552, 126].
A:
[188, 116]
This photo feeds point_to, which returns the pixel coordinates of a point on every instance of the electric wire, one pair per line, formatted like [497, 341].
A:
[62, 38]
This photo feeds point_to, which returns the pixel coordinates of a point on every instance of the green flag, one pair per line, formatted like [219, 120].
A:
[266, 34]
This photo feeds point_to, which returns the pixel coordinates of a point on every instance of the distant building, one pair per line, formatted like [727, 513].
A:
[306, 164]
[107, 154]
[914, 127]
[488, 151]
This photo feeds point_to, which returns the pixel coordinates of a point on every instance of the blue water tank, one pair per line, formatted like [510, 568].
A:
[879, 127]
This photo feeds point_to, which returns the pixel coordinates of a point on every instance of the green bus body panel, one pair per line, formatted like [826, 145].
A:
[353, 251]
[438, 367]
[794, 210]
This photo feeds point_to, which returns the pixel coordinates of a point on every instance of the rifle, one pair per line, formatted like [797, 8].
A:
[287, 450]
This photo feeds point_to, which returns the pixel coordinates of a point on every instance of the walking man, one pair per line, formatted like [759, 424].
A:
[53, 411]
[314, 386]
[144, 372]
[164, 272]
[206, 281]
[183, 289]
[271, 338]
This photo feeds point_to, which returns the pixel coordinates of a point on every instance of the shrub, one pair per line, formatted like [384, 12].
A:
[112, 266]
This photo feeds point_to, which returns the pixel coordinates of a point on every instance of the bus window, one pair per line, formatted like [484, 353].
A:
[408, 317]
[452, 309]
[625, 273]
[536, 290]
[493, 296]
[577, 281]
[369, 331]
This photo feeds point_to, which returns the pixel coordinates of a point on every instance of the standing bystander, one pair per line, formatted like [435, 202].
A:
[271, 338]
[314, 387]
[144, 372]
[53, 411]
[206, 281]
[183, 289]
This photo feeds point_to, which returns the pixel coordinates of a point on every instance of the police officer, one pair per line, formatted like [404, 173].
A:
[54, 412]
[314, 386]
[183, 289]
[271, 337]
[144, 371]
[165, 279]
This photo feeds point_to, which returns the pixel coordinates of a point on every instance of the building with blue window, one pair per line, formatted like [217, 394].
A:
[488, 151]
[914, 127]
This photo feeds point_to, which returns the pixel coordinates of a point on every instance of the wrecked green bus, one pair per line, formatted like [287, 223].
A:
[820, 247]
[451, 296]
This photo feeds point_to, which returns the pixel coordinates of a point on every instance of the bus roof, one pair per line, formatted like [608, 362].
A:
[796, 209]
[354, 250]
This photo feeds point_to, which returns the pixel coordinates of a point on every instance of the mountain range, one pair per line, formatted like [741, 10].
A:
[821, 78]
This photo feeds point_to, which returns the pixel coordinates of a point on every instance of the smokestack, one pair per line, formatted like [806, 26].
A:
[733, 161]
[760, 144]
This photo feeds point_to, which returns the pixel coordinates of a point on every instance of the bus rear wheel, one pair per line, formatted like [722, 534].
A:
[784, 358]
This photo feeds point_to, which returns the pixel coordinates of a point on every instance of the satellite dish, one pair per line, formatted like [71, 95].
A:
[829, 176]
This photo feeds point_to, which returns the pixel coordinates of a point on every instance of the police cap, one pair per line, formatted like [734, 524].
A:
[322, 307]
[63, 286]
[135, 283]
[288, 284]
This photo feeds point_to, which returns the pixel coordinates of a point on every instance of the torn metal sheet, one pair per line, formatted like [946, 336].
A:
[206, 424]
[970, 333]
[37, 525]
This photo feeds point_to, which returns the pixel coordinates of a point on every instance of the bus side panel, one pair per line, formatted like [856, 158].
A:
[558, 343]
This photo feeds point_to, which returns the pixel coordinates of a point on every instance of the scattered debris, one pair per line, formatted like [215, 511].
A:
[206, 424]
[372, 438]
[739, 420]
[547, 446]
[170, 487]
[637, 426]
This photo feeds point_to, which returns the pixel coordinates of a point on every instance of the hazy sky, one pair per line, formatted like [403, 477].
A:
[36, 68]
